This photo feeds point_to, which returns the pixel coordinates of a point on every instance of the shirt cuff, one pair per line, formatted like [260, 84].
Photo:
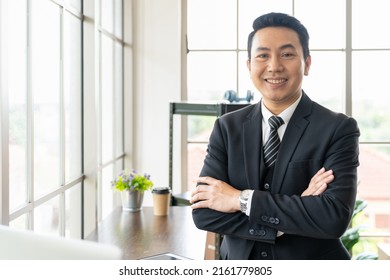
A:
[249, 203]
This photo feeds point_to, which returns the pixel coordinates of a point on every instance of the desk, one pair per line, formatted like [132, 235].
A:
[142, 234]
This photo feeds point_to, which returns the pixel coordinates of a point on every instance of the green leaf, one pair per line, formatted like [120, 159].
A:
[129, 180]
[350, 237]
[360, 205]
[366, 256]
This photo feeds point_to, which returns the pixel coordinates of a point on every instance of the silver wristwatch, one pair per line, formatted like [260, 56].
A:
[244, 196]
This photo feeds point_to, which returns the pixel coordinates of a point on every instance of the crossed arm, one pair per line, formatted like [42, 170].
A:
[220, 196]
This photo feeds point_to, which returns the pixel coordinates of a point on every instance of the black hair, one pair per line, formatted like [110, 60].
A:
[280, 20]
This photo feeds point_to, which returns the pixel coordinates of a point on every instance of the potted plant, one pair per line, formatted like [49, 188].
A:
[132, 186]
[352, 235]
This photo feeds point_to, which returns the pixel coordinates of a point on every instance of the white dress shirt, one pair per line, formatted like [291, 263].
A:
[286, 116]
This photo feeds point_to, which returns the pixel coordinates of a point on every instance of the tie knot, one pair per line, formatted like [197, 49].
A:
[275, 122]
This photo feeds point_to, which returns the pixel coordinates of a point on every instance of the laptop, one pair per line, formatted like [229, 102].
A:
[27, 245]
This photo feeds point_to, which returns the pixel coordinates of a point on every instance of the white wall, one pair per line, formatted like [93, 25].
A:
[157, 74]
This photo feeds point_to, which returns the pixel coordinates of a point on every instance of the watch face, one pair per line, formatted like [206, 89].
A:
[245, 194]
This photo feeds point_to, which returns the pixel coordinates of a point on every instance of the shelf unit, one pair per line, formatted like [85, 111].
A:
[195, 109]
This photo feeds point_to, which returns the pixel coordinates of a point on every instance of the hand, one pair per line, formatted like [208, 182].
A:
[215, 194]
[319, 182]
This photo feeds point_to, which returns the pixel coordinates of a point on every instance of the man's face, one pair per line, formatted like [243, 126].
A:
[277, 66]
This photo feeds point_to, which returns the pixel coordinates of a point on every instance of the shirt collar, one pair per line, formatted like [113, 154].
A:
[285, 115]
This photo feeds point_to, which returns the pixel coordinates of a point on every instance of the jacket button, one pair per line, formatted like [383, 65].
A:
[264, 218]
[266, 186]
[272, 220]
[251, 231]
[276, 221]
[261, 232]
[264, 254]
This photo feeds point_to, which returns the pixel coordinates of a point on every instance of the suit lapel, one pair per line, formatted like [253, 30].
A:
[294, 131]
[252, 143]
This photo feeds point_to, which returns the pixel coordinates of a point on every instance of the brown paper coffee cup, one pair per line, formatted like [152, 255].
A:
[161, 200]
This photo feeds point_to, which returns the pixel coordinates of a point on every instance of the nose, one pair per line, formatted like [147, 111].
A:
[275, 64]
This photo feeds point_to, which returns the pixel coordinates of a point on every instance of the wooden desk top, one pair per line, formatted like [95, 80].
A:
[142, 234]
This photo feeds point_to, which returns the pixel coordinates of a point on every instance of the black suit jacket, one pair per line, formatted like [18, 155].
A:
[315, 137]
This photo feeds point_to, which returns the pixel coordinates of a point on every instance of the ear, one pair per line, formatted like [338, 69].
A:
[248, 64]
[307, 65]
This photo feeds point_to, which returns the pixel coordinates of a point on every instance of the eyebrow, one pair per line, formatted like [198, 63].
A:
[283, 47]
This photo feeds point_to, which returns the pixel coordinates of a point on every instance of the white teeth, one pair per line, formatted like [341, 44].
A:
[279, 81]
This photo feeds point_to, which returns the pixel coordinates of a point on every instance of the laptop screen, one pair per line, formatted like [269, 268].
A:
[27, 245]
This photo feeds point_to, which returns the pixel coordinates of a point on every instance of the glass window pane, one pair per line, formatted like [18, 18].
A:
[73, 212]
[196, 155]
[370, 23]
[107, 98]
[118, 18]
[47, 218]
[20, 222]
[371, 99]
[249, 10]
[118, 100]
[325, 67]
[199, 130]
[72, 96]
[45, 73]
[106, 15]
[374, 185]
[325, 31]
[211, 24]
[244, 80]
[76, 4]
[107, 191]
[16, 65]
[210, 74]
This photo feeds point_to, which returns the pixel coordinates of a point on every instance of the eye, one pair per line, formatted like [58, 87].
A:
[288, 55]
[262, 56]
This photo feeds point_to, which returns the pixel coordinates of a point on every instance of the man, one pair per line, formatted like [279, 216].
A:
[296, 204]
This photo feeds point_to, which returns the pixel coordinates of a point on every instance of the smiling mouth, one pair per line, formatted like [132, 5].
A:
[276, 81]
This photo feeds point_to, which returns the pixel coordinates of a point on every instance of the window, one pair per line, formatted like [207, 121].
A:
[41, 54]
[344, 66]
[62, 100]
[111, 100]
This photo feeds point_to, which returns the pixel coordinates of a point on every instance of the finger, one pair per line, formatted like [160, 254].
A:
[206, 180]
[200, 204]
[318, 183]
[193, 198]
[201, 188]
[194, 192]
[320, 189]
[322, 176]
[202, 180]
[319, 172]
[199, 197]
[323, 183]
[328, 179]
[326, 174]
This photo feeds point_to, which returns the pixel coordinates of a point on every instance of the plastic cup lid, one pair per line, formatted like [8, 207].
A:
[161, 190]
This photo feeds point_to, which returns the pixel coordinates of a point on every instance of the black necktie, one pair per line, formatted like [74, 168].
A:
[272, 146]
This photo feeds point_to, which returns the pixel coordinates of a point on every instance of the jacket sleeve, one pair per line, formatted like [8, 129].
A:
[235, 224]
